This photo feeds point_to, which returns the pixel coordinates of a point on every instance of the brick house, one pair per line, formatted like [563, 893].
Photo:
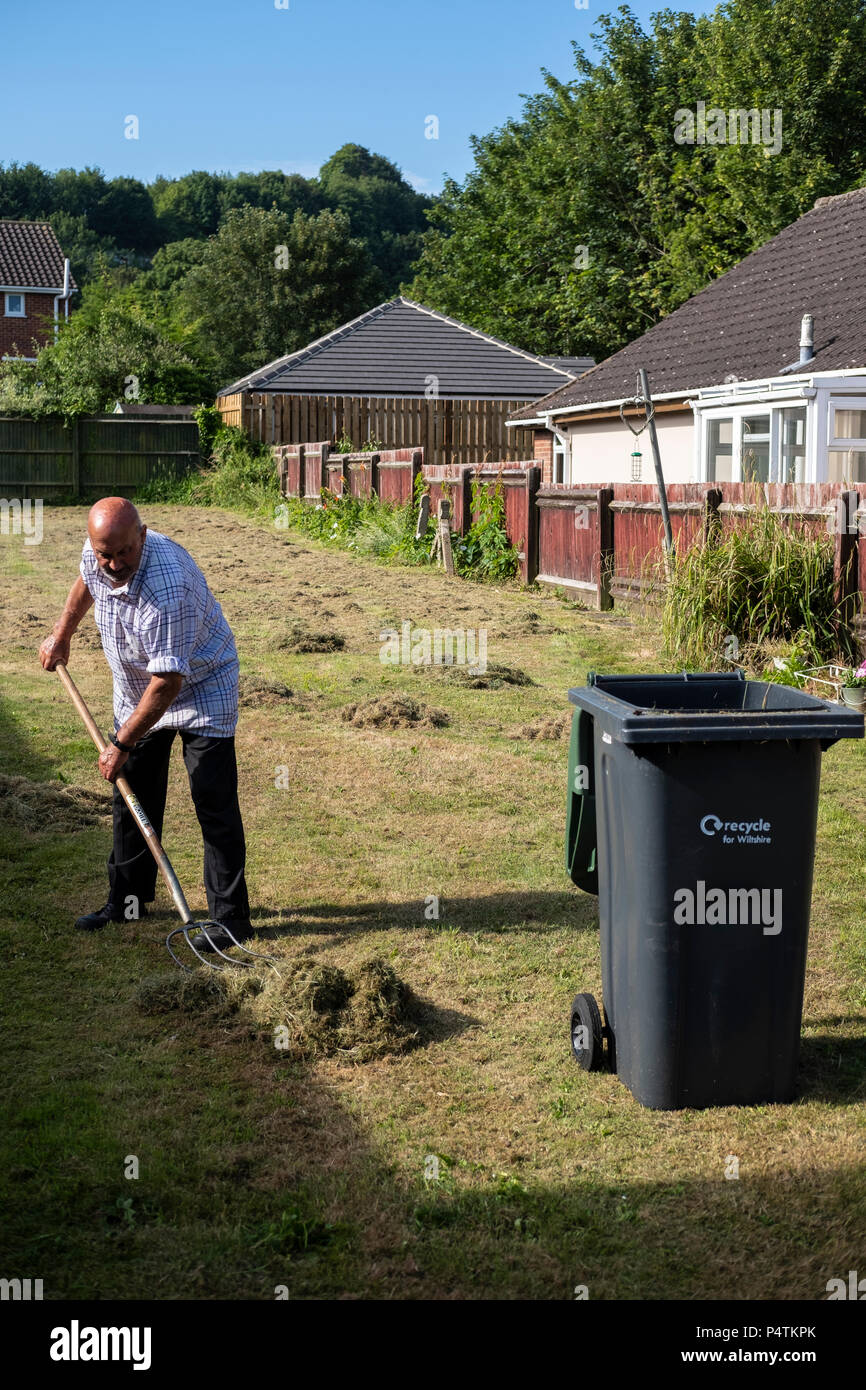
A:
[35, 280]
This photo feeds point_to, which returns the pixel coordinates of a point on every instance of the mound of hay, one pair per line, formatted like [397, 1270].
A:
[394, 712]
[326, 1011]
[300, 638]
[558, 727]
[51, 806]
[494, 677]
[256, 693]
[319, 1009]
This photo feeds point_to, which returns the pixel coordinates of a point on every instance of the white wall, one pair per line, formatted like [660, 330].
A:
[601, 450]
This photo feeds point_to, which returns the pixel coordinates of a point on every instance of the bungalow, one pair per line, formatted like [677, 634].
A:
[407, 376]
[762, 375]
[34, 281]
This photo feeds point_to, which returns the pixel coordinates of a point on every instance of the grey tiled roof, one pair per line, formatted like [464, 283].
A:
[747, 323]
[30, 255]
[394, 349]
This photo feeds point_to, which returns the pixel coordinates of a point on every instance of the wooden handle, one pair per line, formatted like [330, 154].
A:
[129, 796]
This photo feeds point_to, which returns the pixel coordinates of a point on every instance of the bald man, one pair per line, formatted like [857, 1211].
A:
[175, 668]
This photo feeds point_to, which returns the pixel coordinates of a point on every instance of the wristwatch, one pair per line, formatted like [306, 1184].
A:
[124, 747]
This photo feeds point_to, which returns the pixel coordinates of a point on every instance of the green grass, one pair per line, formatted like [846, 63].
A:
[257, 1171]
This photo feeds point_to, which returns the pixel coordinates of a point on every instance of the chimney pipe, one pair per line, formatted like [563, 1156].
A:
[807, 339]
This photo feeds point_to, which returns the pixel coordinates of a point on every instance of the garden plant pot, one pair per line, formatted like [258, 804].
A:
[854, 696]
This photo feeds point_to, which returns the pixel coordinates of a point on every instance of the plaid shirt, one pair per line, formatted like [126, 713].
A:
[165, 618]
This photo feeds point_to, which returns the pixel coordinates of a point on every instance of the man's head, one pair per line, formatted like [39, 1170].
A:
[117, 537]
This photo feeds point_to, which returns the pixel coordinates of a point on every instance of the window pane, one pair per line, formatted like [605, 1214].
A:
[720, 450]
[793, 445]
[849, 424]
[756, 426]
[846, 465]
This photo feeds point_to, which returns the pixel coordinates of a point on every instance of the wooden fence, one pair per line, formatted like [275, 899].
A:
[601, 541]
[93, 454]
[449, 432]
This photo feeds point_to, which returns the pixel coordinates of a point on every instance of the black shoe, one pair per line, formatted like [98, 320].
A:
[95, 921]
[217, 938]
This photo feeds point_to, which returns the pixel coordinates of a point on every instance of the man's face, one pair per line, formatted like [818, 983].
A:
[118, 551]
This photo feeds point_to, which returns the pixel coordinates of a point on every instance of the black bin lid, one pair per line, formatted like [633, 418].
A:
[710, 707]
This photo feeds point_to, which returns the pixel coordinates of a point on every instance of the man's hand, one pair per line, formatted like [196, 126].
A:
[54, 649]
[111, 761]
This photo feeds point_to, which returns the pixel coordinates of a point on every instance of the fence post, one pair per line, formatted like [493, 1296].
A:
[374, 474]
[846, 557]
[529, 565]
[603, 499]
[465, 498]
[712, 520]
[302, 471]
[417, 467]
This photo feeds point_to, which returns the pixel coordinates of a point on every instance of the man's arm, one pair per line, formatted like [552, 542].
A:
[56, 647]
[162, 691]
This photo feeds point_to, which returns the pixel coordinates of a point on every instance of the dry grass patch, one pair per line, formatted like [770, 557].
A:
[51, 806]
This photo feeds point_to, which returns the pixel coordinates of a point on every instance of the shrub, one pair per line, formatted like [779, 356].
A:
[763, 582]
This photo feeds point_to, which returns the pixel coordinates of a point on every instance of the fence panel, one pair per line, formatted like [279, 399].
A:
[96, 453]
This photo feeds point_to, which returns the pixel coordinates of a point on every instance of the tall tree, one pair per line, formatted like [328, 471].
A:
[383, 209]
[585, 221]
[267, 284]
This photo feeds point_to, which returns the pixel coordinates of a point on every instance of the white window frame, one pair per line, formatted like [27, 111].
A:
[737, 413]
[16, 313]
[561, 451]
[843, 443]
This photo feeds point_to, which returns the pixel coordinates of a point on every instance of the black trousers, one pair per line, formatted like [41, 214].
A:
[213, 781]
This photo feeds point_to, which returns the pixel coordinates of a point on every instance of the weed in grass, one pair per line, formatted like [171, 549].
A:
[294, 1232]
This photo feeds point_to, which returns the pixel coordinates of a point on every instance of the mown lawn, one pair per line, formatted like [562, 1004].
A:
[257, 1169]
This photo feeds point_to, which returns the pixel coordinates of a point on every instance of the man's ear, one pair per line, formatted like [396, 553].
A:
[143, 532]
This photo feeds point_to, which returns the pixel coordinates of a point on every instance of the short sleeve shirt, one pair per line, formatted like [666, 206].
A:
[165, 619]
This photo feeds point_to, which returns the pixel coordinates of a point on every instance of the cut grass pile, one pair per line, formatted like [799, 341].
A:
[309, 1007]
[394, 712]
[257, 692]
[301, 638]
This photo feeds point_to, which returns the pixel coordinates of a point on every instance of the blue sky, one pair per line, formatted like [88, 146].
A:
[241, 84]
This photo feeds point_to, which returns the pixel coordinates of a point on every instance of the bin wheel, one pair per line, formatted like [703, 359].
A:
[587, 1033]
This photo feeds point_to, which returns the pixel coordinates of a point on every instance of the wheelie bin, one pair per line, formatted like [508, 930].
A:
[691, 811]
